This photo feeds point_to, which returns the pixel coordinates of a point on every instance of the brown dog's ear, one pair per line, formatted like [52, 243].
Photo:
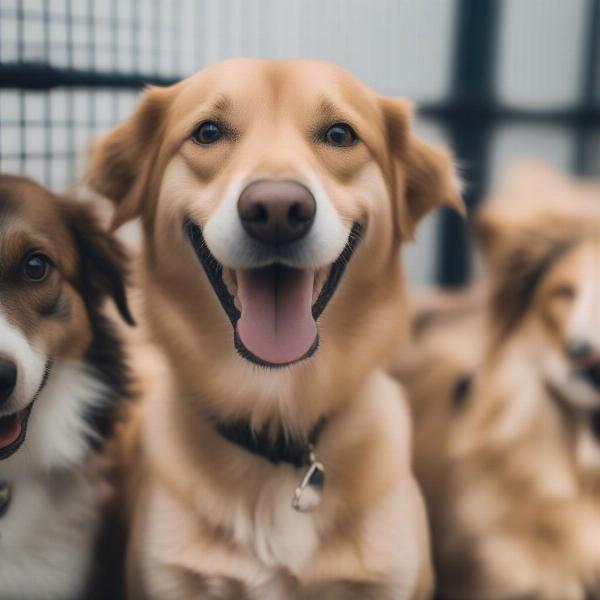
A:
[103, 260]
[534, 199]
[424, 176]
[121, 162]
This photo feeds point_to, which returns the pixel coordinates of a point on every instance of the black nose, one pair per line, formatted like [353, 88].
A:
[8, 379]
[587, 359]
[277, 212]
[579, 349]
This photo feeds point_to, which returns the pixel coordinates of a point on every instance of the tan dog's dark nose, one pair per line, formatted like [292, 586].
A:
[8, 379]
[579, 349]
[277, 212]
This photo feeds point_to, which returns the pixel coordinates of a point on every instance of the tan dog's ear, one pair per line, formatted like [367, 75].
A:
[121, 161]
[533, 200]
[423, 175]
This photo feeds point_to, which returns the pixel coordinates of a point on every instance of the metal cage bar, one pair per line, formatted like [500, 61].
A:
[470, 114]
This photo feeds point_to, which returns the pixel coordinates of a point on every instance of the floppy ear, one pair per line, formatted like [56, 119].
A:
[535, 197]
[103, 260]
[423, 175]
[121, 162]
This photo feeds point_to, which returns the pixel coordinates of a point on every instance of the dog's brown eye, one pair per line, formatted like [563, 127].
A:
[564, 292]
[36, 267]
[340, 135]
[207, 133]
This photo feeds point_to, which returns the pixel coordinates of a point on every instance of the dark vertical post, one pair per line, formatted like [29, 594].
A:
[589, 82]
[472, 99]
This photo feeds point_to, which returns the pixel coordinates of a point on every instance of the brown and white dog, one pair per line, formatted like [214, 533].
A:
[508, 435]
[273, 197]
[62, 377]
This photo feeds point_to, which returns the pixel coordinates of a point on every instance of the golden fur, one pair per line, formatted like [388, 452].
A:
[209, 519]
[510, 463]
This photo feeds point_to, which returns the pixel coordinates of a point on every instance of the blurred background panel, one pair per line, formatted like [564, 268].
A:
[496, 79]
[541, 53]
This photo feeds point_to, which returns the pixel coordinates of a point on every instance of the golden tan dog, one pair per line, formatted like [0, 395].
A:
[510, 456]
[275, 463]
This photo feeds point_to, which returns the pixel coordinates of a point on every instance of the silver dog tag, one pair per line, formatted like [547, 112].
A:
[309, 492]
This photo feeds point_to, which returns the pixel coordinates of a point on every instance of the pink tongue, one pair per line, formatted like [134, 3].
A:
[10, 429]
[276, 324]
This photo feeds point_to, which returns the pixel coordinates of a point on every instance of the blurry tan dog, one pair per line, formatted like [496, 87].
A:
[508, 414]
[261, 186]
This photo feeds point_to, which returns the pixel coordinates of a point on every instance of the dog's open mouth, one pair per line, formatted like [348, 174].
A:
[13, 427]
[273, 309]
[12, 431]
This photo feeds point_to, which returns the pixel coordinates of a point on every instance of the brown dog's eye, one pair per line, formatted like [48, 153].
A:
[207, 133]
[340, 135]
[37, 267]
[564, 292]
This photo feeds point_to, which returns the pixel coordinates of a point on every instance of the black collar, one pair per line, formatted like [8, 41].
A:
[278, 449]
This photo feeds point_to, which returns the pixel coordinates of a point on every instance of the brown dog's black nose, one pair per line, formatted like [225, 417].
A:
[277, 212]
[8, 379]
[587, 359]
[579, 350]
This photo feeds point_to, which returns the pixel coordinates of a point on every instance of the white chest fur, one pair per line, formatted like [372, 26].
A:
[268, 532]
[193, 534]
[48, 532]
[46, 536]
[278, 534]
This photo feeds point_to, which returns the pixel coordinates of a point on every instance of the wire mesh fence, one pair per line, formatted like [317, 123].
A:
[71, 69]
